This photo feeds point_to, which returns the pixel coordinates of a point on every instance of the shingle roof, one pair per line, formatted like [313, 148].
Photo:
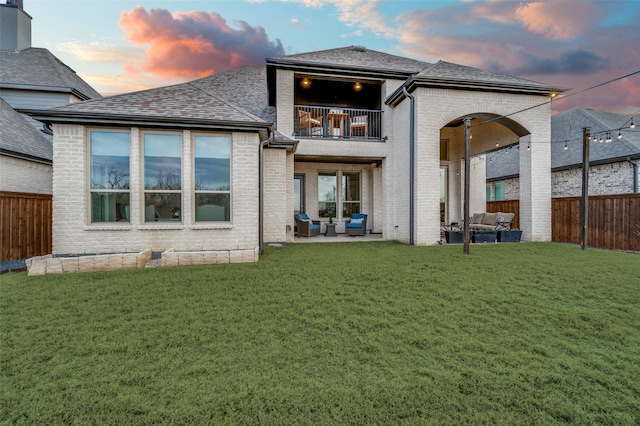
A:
[18, 136]
[245, 87]
[461, 73]
[39, 67]
[188, 100]
[566, 127]
[355, 57]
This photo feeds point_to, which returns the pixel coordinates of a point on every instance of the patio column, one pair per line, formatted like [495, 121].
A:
[535, 187]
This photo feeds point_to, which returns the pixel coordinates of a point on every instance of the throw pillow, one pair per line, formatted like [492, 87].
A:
[356, 221]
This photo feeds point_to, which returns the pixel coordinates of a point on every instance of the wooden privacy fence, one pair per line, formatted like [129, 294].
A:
[25, 225]
[614, 220]
[506, 206]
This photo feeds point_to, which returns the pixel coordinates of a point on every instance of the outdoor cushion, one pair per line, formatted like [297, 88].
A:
[489, 219]
[358, 216]
[355, 223]
[314, 227]
[477, 218]
[303, 217]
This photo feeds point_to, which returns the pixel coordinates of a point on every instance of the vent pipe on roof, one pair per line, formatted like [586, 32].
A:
[359, 48]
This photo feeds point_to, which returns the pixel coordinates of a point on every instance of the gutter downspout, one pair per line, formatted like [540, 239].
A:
[411, 161]
[263, 143]
[635, 175]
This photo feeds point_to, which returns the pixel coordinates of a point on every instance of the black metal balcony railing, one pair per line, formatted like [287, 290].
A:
[338, 123]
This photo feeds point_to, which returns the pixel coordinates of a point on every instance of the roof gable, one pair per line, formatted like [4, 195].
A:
[39, 68]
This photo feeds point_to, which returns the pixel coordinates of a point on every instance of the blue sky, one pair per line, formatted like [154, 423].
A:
[121, 46]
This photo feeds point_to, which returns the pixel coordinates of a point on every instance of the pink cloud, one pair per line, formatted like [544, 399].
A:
[558, 20]
[194, 44]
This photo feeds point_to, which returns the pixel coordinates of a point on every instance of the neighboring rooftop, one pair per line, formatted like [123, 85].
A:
[38, 69]
[18, 138]
[566, 127]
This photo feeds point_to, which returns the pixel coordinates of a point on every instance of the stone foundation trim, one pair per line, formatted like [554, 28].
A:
[171, 257]
[46, 265]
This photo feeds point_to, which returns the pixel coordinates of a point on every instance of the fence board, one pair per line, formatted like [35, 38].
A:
[614, 220]
[506, 206]
[25, 225]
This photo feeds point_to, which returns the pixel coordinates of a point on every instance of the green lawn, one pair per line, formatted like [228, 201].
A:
[349, 333]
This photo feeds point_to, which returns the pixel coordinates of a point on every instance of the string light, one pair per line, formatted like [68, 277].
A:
[632, 125]
[619, 135]
[565, 146]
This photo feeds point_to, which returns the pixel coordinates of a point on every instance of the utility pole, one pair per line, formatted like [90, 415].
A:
[584, 217]
[467, 183]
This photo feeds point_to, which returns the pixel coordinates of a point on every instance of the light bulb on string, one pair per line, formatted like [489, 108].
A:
[619, 135]
[608, 140]
[601, 139]
[565, 146]
[632, 126]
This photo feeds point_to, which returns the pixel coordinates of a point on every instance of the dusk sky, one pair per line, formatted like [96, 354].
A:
[122, 46]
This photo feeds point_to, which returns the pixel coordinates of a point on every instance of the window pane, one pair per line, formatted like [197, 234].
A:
[162, 161]
[213, 207]
[350, 193]
[213, 163]
[499, 191]
[110, 207]
[327, 182]
[162, 207]
[109, 160]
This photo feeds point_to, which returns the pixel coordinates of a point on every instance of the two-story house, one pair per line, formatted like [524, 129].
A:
[222, 163]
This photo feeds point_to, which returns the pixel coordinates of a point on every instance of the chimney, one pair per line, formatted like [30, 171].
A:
[15, 26]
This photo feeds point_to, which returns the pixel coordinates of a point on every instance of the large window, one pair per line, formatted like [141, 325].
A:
[499, 195]
[350, 193]
[109, 175]
[162, 177]
[327, 182]
[212, 174]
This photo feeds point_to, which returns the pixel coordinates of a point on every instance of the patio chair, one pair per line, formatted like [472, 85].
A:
[357, 225]
[360, 122]
[313, 125]
[305, 226]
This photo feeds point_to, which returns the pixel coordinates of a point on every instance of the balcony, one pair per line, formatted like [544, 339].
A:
[337, 123]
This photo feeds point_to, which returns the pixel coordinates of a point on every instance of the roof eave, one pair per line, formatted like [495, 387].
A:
[26, 157]
[91, 118]
[442, 83]
[36, 88]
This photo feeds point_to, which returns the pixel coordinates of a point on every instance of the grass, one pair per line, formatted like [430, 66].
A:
[369, 333]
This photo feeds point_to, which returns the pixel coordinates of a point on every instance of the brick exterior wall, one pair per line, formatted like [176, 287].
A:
[74, 234]
[604, 179]
[439, 107]
[17, 175]
[275, 187]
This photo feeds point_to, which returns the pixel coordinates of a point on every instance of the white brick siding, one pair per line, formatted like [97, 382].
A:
[275, 187]
[74, 234]
[17, 175]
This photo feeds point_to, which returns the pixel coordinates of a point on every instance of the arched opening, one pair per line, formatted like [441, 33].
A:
[489, 132]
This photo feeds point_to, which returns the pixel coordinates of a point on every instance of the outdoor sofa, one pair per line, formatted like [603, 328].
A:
[491, 221]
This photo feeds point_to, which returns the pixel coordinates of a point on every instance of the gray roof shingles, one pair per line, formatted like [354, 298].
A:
[18, 136]
[191, 100]
[39, 67]
[356, 57]
[455, 72]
